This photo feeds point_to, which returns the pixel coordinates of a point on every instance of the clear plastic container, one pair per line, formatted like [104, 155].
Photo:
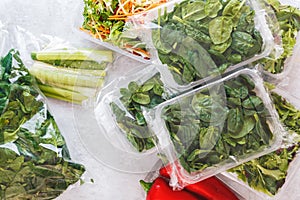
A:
[289, 65]
[78, 20]
[207, 130]
[287, 185]
[188, 53]
[121, 106]
[285, 29]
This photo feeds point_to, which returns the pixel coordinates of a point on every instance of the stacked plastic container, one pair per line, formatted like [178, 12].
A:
[199, 103]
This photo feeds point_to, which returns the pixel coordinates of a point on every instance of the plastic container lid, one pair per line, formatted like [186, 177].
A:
[186, 55]
[216, 127]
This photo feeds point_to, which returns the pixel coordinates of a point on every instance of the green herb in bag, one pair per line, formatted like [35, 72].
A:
[34, 159]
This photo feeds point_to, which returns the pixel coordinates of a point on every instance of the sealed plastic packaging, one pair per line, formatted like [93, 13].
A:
[120, 111]
[275, 68]
[271, 176]
[69, 72]
[216, 127]
[105, 24]
[200, 39]
[34, 162]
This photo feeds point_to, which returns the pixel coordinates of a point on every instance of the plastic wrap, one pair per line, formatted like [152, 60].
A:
[273, 175]
[70, 72]
[117, 36]
[185, 40]
[277, 179]
[122, 108]
[215, 111]
[35, 162]
[275, 68]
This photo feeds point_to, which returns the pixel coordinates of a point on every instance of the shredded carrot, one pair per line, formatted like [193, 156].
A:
[137, 51]
[131, 7]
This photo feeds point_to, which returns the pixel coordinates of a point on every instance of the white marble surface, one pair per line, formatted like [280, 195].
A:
[55, 18]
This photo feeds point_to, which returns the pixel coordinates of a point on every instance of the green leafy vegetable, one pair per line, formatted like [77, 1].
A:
[214, 34]
[220, 29]
[34, 159]
[288, 114]
[289, 24]
[131, 121]
[268, 173]
[213, 125]
[105, 20]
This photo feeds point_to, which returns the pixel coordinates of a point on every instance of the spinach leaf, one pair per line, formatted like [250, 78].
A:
[34, 159]
[131, 121]
[220, 29]
[267, 173]
[203, 38]
[242, 42]
[235, 119]
[194, 11]
[237, 127]
[233, 7]
[289, 20]
[212, 7]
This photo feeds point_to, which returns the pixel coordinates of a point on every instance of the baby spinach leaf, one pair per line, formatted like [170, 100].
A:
[253, 103]
[248, 125]
[133, 87]
[223, 132]
[131, 121]
[34, 159]
[246, 22]
[212, 7]
[242, 42]
[222, 47]
[232, 8]
[208, 137]
[220, 29]
[141, 98]
[194, 11]
[235, 120]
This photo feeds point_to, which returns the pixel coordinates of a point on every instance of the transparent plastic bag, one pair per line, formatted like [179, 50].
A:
[70, 72]
[35, 162]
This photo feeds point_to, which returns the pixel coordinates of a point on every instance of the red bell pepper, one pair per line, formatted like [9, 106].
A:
[160, 190]
[211, 188]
